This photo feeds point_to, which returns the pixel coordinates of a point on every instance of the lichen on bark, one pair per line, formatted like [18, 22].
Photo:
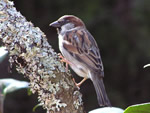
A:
[34, 57]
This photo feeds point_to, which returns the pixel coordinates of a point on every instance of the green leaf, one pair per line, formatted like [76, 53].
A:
[29, 92]
[3, 53]
[107, 110]
[35, 107]
[11, 85]
[139, 108]
[147, 65]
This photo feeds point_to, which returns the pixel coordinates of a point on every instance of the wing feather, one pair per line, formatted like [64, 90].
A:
[84, 48]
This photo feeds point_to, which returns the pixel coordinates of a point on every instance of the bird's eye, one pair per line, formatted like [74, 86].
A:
[61, 22]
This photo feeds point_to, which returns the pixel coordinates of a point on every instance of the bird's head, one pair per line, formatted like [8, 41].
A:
[67, 22]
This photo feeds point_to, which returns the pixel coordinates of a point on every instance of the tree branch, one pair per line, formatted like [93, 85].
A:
[34, 57]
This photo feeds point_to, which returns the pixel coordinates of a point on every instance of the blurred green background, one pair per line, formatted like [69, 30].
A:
[122, 31]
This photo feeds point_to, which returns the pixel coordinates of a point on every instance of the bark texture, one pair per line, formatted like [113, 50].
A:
[34, 57]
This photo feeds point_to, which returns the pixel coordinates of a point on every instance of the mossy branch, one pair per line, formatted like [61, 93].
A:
[34, 57]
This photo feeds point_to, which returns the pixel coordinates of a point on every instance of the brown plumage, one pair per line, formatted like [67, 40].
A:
[80, 49]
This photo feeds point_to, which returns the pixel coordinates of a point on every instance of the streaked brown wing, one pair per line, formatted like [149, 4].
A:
[83, 47]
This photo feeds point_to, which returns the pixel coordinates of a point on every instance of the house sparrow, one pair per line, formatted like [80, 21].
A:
[81, 52]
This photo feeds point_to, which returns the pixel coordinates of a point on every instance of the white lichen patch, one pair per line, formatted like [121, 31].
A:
[78, 101]
[64, 84]
[52, 87]
[54, 104]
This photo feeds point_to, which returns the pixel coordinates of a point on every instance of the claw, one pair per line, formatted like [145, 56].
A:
[64, 60]
[81, 82]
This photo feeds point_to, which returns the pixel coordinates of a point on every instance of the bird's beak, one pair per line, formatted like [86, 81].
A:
[55, 24]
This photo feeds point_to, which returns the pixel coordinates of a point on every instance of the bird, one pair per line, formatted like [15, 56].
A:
[80, 51]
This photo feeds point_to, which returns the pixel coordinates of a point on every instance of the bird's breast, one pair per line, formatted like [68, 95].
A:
[74, 64]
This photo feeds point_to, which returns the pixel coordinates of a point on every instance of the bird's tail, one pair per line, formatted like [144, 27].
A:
[100, 91]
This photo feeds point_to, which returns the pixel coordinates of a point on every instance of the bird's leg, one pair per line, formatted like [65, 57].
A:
[79, 84]
[64, 60]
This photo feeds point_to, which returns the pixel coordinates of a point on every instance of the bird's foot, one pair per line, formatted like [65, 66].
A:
[80, 83]
[64, 60]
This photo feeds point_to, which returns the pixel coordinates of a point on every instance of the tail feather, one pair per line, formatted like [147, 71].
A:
[100, 91]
